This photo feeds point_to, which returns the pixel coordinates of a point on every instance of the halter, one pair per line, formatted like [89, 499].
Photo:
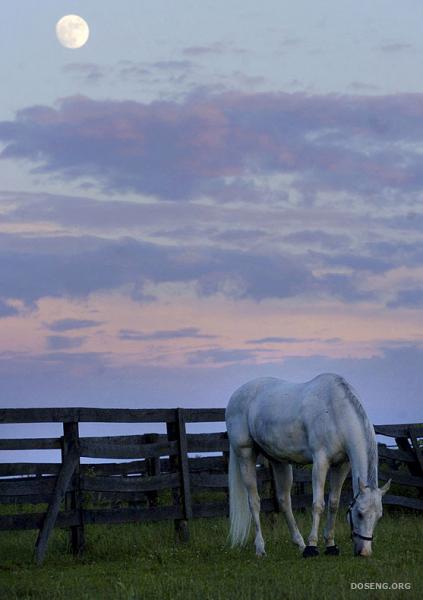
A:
[349, 513]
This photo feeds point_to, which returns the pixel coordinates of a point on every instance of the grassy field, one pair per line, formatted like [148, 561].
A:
[144, 562]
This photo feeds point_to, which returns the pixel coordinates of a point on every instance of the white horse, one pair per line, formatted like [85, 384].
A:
[320, 422]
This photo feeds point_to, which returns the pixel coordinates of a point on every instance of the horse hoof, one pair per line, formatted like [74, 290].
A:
[310, 551]
[332, 550]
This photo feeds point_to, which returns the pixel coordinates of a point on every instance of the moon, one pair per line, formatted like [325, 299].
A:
[72, 31]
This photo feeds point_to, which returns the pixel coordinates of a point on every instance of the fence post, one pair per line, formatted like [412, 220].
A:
[176, 431]
[153, 468]
[73, 499]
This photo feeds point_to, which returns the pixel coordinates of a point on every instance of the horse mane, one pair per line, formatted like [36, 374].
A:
[372, 453]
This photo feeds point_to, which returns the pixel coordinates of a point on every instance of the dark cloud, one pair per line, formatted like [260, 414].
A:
[127, 70]
[292, 340]
[170, 334]
[7, 310]
[70, 324]
[319, 237]
[345, 287]
[100, 215]
[220, 356]
[62, 342]
[33, 268]
[398, 252]
[217, 48]
[396, 47]
[177, 150]
[88, 72]
[361, 86]
[411, 298]
[355, 262]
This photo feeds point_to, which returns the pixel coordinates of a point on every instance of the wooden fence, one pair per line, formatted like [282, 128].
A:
[164, 476]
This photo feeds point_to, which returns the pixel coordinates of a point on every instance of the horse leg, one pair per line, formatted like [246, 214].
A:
[320, 470]
[337, 477]
[247, 462]
[282, 473]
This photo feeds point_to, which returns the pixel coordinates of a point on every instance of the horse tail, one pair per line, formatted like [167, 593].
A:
[239, 510]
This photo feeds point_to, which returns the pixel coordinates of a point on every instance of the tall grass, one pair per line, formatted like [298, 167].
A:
[143, 562]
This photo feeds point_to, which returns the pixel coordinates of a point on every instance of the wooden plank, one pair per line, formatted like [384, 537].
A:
[180, 523]
[209, 480]
[207, 510]
[204, 415]
[401, 478]
[98, 449]
[115, 499]
[183, 464]
[220, 480]
[108, 415]
[413, 465]
[132, 515]
[31, 444]
[416, 447]
[399, 430]
[62, 483]
[27, 485]
[23, 468]
[87, 415]
[395, 454]
[207, 463]
[130, 484]
[207, 442]
[27, 499]
[140, 415]
[92, 516]
[122, 440]
[404, 501]
[126, 468]
[153, 468]
[73, 497]
[35, 520]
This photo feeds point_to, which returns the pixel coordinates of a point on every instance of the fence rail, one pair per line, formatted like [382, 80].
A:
[165, 476]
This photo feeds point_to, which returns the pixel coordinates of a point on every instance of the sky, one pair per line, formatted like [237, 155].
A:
[207, 192]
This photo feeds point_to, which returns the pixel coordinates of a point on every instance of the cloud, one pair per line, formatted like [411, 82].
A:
[71, 324]
[61, 342]
[65, 266]
[411, 298]
[318, 237]
[88, 72]
[128, 70]
[217, 48]
[292, 340]
[171, 334]
[7, 310]
[361, 86]
[220, 356]
[179, 150]
[355, 262]
[395, 47]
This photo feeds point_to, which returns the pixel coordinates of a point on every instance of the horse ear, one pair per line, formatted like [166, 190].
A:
[361, 485]
[386, 487]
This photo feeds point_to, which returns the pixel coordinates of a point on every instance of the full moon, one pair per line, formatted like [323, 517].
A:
[72, 31]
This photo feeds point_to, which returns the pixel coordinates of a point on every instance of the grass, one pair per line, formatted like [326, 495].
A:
[143, 562]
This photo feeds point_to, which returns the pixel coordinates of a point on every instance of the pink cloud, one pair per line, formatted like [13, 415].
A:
[178, 150]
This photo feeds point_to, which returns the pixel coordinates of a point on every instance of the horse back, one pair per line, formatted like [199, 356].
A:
[288, 421]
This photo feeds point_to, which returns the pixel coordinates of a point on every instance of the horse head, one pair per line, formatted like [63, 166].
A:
[363, 514]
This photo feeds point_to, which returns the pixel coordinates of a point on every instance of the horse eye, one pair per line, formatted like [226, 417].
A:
[360, 515]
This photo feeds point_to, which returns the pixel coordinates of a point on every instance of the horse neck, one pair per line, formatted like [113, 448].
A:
[362, 453]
